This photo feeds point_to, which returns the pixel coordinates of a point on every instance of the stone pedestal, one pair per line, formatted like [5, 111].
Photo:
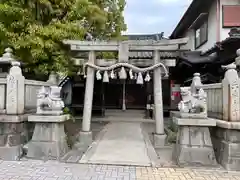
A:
[49, 138]
[13, 134]
[226, 143]
[194, 145]
[159, 140]
[84, 140]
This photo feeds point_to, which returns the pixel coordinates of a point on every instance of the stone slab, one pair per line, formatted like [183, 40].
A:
[226, 143]
[227, 125]
[2, 111]
[194, 146]
[188, 115]
[13, 118]
[48, 132]
[13, 153]
[159, 140]
[229, 157]
[12, 136]
[191, 156]
[194, 122]
[227, 154]
[49, 140]
[49, 113]
[49, 118]
[228, 135]
[47, 150]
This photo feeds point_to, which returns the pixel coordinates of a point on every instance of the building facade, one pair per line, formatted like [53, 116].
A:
[212, 29]
[208, 21]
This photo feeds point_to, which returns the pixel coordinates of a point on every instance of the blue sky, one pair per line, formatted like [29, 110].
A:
[154, 16]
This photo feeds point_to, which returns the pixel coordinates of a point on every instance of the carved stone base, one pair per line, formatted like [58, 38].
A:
[85, 140]
[12, 137]
[188, 115]
[49, 138]
[47, 150]
[226, 143]
[194, 145]
[50, 112]
[159, 140]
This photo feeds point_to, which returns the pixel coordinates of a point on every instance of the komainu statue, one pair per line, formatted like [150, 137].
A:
[49, 101]
[193, 101]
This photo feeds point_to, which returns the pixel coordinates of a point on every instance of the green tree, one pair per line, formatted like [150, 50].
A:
[35, 28]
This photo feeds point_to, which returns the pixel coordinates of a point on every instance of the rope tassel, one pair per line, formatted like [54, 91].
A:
[131, 74]
[147, 77]
[122, 73]
[105, 77]
[139, 78]
[135, 76]
[112, 75]
[98, 75]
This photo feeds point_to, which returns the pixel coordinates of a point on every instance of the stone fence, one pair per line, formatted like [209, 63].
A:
[18, 99]
[223, 107]
[223, 98]
[31, 89]
[214, 99]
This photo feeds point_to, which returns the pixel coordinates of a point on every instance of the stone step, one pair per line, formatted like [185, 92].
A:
[127, 113]
[122, 119]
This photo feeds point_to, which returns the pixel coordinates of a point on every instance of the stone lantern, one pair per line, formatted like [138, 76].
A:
[5, 62]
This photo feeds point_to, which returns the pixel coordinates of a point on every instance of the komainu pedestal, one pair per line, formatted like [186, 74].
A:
[194, 145]
[49, 138]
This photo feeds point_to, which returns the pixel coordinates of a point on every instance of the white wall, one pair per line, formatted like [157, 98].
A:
[212, 27]
[224, 31]
[191, 35]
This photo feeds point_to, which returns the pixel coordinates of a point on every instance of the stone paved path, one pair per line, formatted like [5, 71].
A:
[50, 170]
[120, 143]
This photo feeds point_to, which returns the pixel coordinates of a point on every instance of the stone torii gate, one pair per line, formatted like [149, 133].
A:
[124, 48]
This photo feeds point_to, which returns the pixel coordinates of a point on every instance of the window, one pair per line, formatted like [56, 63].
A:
[201, 35]
[231, 15]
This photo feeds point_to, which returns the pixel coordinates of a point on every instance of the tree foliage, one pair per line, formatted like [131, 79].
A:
[35, 28]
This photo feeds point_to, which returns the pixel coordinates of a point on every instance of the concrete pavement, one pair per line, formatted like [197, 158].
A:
[120, 143]
[51, 170]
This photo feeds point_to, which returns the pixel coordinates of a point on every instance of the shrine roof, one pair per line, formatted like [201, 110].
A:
[223, 52]
[233, 41]
[149, 55]
[195, 57]
[155, 37]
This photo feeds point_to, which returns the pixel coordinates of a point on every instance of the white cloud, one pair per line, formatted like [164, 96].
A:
[173, 2]
[153, 16]
[167, 1]
[149, 20]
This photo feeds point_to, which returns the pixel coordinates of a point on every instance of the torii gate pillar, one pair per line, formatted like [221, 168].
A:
[86, 133]
[159, 136]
